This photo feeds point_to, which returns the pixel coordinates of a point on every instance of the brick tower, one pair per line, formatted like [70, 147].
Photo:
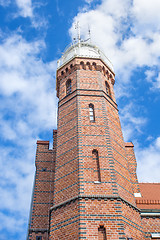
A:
[94, 187]
[42, 197]
[86, 187]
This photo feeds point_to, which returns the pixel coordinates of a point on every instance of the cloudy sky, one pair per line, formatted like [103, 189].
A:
[33, 35]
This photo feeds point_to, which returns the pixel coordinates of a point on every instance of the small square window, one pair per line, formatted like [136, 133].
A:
[38, 237]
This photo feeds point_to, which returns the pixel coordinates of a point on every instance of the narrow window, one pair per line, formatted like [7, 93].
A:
[81, 65]
[97, 175]
[62, 73]
[68, 87]
[107, 89]
[94, 66]
[91, 113]
[103, 70]
[38, 238]
[88, 65]
[66, 69]
[102, 233]
[71, 66]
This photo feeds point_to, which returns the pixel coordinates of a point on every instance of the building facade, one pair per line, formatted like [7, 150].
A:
[86, 187]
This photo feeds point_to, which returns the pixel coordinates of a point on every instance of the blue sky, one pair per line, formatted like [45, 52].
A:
[33, 35]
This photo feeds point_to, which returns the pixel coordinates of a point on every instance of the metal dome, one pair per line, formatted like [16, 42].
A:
[85, 50]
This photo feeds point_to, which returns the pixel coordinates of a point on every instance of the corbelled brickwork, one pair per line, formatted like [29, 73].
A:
[87, 187]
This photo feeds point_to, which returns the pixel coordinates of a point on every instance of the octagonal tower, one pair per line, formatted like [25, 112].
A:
[94, 189]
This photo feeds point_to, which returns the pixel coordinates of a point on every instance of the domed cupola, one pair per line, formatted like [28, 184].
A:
[83, 49]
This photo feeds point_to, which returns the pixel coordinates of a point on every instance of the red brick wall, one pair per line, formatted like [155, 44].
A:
[150, 225]
[93, 196]
[65, 222]
[75, 170]
[43, 191]
[119, 220]
[66, 177]
[132, 166]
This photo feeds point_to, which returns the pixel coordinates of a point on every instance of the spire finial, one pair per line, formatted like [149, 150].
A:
[89, 33]
[77, 26]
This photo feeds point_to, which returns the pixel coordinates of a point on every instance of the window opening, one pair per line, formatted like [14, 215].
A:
[68, 87]
[107, 89]
[103, 70]
[38, 237]
[97, 166]
[91, 113]
[94, 65]
[81, 65]
[88, 66]
[102, 233]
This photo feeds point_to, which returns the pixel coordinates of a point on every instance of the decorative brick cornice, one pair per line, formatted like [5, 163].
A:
[93, 197]
[129, 144]
[145, 201]
[37, 230]
[107, 72]
[42, 142]
[77, 93]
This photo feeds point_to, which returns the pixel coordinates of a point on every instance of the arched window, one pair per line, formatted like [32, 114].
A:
[94, 66]
[62, 73]
[68, 87]
[81, 65]
[66, 69]
[91, 113]
[103, 70]
[71, 66]
[97, 174]
[88, 65]
[102, 233]
[110, 76]
[107, 89]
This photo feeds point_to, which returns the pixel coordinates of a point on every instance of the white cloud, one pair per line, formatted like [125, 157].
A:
[10, 223]
[27, 109]
[128, 32]
[119, 27]
[26, 79]
[115, 8]
[146, 15]
[131, 123]
[158, 81]
[148, 162]
[25, 7]
[149, 75]
[153, 77]
[4, 3]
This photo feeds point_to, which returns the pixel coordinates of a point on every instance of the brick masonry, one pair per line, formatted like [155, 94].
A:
[43, 191]
[81, 195]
